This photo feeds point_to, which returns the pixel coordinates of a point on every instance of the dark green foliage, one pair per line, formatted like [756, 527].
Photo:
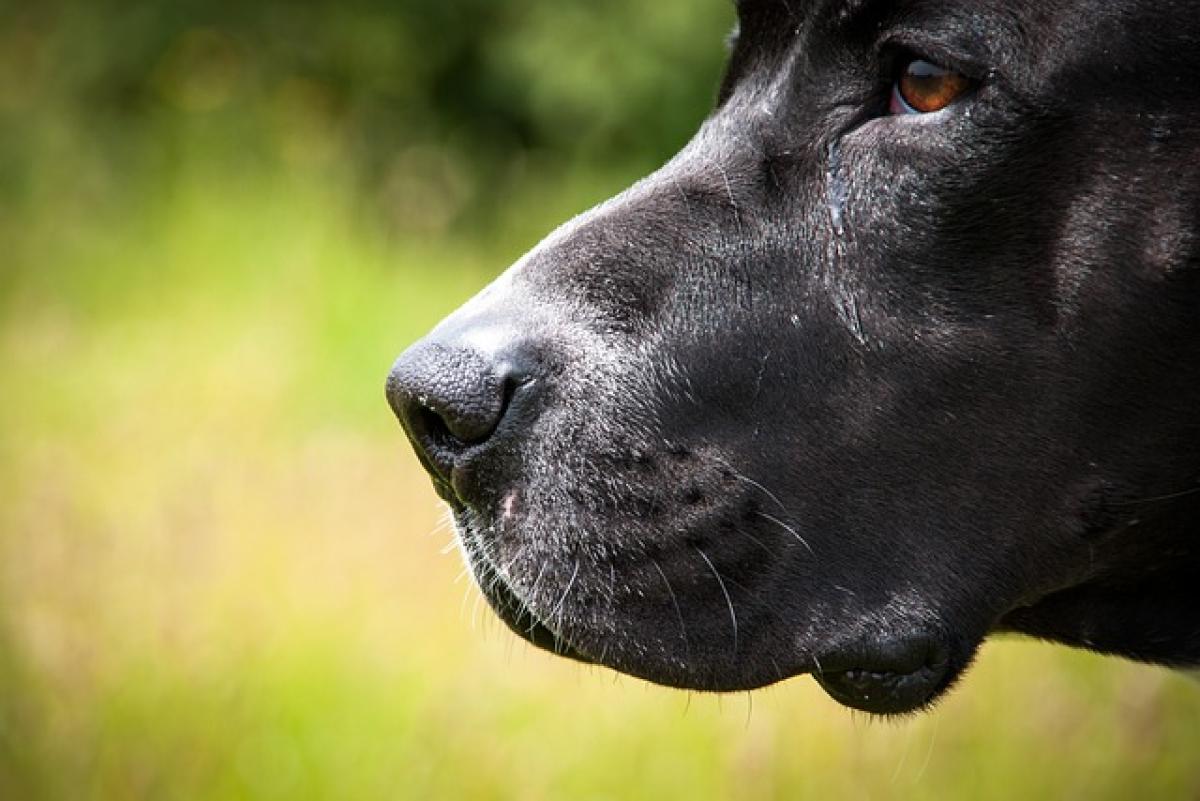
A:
[485, 85]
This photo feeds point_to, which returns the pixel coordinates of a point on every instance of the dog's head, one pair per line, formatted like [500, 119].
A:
[902, 348]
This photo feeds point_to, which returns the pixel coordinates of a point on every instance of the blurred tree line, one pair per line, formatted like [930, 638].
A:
[434, 107]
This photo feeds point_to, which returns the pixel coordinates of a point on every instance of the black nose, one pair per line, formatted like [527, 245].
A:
[452, 399]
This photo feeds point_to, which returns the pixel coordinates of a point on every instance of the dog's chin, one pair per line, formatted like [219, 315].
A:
[508, 605]
[902, 671]
[877, 683]
[526, 624]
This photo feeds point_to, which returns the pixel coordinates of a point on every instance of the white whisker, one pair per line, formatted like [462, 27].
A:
[1157, 498]
[725, 591]
[762, 489]
[561, 601]
[687, 648]
[788, 529]
[557, 614]
[475, 611]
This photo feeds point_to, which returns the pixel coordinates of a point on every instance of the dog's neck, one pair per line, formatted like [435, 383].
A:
[1141, 601]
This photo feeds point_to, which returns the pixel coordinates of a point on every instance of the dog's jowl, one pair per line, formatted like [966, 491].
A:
[902, 349]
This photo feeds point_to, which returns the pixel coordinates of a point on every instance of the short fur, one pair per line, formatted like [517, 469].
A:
[840, 392]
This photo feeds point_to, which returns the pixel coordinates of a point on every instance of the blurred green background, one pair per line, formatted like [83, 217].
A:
[222, 573]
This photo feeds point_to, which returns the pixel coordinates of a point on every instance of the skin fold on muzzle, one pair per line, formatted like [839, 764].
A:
[902, 349]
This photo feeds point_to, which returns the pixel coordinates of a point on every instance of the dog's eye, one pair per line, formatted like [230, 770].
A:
[923, 88]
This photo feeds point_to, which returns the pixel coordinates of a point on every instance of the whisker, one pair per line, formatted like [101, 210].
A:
[533, 594]
[571, 583]
[611, 603]
[758, 486]
[462, 607]
[475, 611]
[774, 499]
[1157, 498]
[504, 571]
[788, 529]
[558, 609]
[445, 523]
[725, 591]
[929, 752]
[687, 647]
[757, 542]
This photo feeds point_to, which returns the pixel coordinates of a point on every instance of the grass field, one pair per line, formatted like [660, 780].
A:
[224, 577]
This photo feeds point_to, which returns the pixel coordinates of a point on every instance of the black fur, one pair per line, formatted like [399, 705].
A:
[840, 392]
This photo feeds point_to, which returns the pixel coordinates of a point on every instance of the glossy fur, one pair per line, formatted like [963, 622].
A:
[841, 393]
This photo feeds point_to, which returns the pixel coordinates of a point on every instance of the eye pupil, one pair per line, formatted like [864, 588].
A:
[924, 87]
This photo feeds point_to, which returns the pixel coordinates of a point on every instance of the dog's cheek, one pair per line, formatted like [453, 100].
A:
[1103, 509]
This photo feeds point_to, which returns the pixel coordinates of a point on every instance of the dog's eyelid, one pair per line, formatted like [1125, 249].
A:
[900, 47]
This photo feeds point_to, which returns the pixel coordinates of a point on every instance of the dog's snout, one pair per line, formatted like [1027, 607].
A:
[452, 398]
[452, 388]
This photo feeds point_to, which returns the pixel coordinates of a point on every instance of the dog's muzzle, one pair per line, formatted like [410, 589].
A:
[462, 395]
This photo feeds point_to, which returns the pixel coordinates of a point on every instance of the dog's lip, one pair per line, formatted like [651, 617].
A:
[885, 692]
[886, 682]
[464, 473]
[460, 481]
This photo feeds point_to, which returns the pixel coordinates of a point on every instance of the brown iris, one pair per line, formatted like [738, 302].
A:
[925, 87]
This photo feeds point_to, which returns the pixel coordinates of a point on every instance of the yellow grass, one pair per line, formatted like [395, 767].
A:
[223, 574]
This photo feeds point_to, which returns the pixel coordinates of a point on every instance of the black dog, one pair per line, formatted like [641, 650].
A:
[902, 349]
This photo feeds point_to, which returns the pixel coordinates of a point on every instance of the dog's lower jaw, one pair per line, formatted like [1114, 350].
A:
[881, 681]
[897, 671]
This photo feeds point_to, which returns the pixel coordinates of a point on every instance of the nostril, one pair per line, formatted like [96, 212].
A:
[509, 385]
[455, 428]
[432, 439]
[450, 399]
[465, 412]
[430, 424]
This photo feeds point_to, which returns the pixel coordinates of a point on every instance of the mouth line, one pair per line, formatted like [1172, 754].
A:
[508, 605]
